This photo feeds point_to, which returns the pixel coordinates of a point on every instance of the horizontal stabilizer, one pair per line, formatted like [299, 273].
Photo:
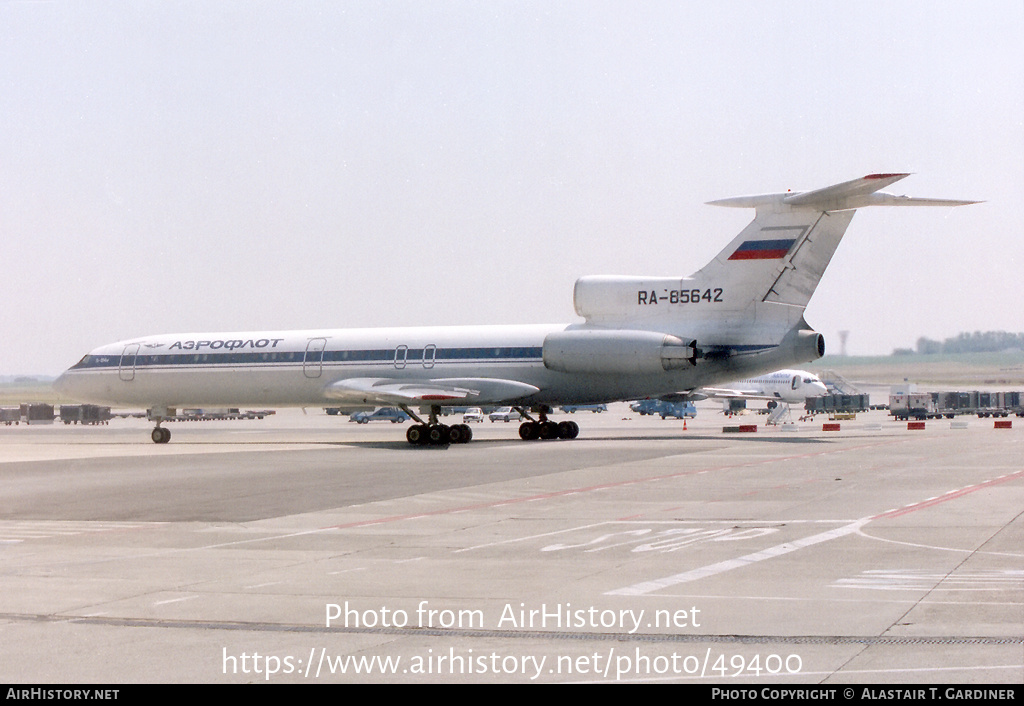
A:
[848, 189]
[894, 200]
[840, 197]
[428, 391]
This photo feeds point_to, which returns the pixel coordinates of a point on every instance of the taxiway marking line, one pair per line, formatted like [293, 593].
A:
[594, 488]
[645, 587]
[950, 495]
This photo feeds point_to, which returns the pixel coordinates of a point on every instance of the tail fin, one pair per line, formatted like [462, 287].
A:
[781, 256]
[758, 286]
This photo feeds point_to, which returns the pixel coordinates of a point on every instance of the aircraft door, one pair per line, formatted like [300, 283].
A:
[126, 368]
[401, 356]
[429, 352]
[313, 362]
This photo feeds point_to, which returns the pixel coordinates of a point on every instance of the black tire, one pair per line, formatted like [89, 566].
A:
[548, 430]
[416, 434]
[528, 431]
[568, 430]
[437, 434]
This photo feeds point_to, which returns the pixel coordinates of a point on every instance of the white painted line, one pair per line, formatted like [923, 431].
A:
[175, 600]
[645, 587]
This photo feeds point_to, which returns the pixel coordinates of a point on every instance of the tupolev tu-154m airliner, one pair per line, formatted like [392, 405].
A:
[740, 315]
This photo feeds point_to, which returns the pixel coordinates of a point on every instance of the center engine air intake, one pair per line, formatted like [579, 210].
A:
[617, 352]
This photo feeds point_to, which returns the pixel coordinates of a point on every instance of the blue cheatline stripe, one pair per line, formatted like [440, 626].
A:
[412, 356]
[783, 244]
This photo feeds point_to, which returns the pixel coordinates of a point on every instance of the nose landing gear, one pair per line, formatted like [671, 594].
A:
[159, 435]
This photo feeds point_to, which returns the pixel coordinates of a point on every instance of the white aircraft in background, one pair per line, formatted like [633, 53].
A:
[740, 315]
[786, 386]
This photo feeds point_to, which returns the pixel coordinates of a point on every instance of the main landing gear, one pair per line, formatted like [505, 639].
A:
[433, 433]
[545, 429]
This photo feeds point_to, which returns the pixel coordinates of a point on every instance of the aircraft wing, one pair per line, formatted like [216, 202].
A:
[396, 391]
[719, 393]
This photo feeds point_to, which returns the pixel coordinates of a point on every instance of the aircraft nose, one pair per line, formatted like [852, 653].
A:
[59, 385]
[62, 386]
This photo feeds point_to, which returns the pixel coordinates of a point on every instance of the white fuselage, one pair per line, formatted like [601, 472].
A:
[791, 386]
[298, 368]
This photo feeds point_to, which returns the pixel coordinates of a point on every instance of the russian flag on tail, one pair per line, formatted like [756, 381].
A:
[763, 249]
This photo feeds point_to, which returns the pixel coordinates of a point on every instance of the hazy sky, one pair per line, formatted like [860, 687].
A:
[201, 166]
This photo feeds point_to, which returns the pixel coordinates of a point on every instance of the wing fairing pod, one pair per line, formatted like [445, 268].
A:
[393, 391]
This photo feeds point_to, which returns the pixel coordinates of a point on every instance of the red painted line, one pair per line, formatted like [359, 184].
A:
[952, 495]
[603, 486]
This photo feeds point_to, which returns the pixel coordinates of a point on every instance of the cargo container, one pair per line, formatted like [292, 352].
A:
[952, 404]
[37, 413]
[842, 404]
[919, 405]
[196, 414]
[84, 414]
